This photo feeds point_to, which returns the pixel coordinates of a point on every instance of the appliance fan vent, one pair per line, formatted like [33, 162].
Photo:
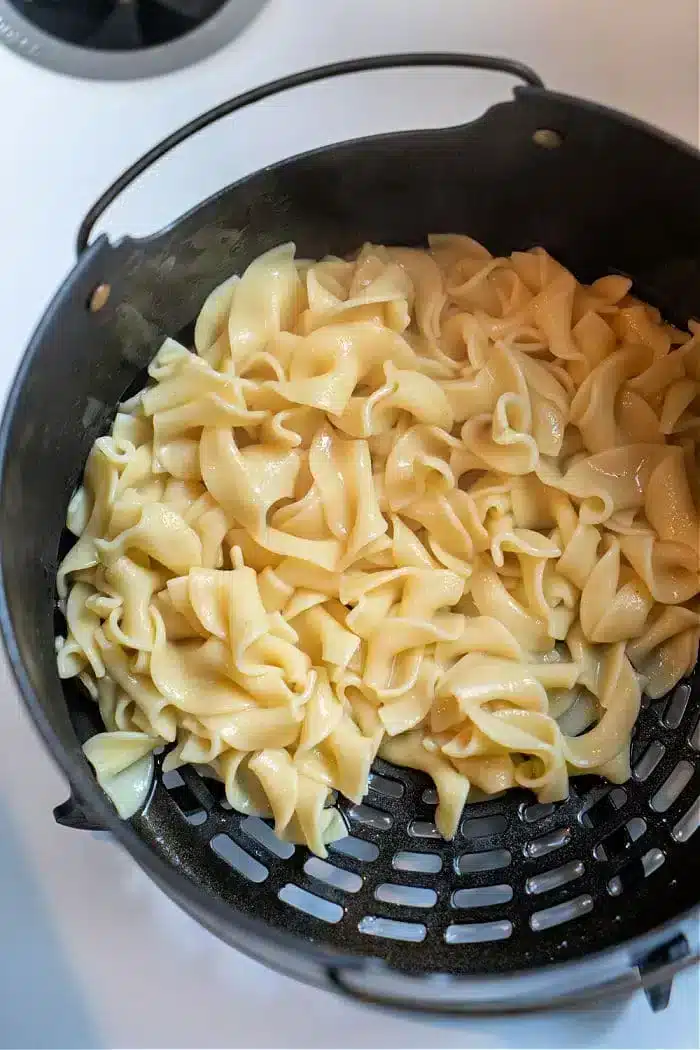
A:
[121, 39]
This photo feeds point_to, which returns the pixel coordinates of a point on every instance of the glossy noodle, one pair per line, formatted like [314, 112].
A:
[426, 504]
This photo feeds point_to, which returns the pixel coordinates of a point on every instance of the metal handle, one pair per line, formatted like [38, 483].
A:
[631, 981]
[308, 76]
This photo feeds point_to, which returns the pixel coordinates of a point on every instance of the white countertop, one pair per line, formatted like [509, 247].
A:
[91, 953]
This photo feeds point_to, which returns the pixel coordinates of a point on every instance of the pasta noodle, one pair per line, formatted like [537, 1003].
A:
[426, 504]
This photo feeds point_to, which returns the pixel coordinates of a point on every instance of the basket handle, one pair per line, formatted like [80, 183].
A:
[275, 87]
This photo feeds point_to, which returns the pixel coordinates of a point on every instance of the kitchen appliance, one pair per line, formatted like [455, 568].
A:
[530, 906]
[121, 39]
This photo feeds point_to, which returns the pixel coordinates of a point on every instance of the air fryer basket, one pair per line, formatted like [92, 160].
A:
[531, 905]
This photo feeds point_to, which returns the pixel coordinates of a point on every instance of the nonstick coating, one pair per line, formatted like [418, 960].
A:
[617, 866]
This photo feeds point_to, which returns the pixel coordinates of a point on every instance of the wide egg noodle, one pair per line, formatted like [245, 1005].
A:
[426, 503]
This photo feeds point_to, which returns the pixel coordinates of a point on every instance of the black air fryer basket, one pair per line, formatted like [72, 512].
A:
[531, 905]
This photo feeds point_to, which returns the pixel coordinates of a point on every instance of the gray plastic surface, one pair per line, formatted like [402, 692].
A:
[27, 40]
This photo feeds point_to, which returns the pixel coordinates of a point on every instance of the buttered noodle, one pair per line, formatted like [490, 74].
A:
[428, 504]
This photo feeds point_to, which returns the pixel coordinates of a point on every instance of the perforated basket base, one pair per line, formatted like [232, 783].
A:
[522, 884]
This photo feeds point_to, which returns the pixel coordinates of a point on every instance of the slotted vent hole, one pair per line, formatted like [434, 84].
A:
[673, 785]
[198, 817]
[561, 913]
[373, 818]
[688, 824]
[385, 786]
[482, 896]
[172, 779]
[649, 760]
[484, 827]
[535, 811]
[423, 829]
[406, 896]
[488, 860]
[695, 738]
[619, 841]
[339, 878]
[676, 706]
[359, 849]
[238, 859]
[478, 932]
[202, 783]
[545, 881]
[603, 808]
[393, 929]
[545, 844]
[635, 871]
[429, 863]
[652, 861]
[318, 907]
[262, 833]
[184, 797]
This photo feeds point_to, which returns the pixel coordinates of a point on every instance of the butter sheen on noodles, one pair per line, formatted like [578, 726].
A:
[427, 504]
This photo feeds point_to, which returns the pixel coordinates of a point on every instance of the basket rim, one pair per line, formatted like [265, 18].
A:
[241, 930]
